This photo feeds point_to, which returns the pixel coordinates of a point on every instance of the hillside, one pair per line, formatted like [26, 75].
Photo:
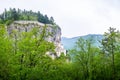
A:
[69, 43]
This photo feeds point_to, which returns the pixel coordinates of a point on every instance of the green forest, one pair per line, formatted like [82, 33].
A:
[8, 16]
[25, 58]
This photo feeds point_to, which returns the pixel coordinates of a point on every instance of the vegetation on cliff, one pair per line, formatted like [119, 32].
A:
[11, 15]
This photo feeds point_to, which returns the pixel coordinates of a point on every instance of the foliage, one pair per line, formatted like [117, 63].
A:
[91, 63]
[11, 15]
[110, 45]
[5, 50]
[84, 55]
[23, 57]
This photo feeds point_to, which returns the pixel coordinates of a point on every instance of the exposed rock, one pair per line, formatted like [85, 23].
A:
[25, 26]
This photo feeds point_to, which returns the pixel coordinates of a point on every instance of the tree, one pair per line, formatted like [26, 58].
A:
[5, 52]
[5, 15]
[39, 16]
[30, 53]
[110, 48]
[46, 19]
[84, 55]
[52, 20]
[17, 14]
[14, 14]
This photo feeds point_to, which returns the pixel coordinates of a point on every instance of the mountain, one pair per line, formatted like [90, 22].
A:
[69, 43]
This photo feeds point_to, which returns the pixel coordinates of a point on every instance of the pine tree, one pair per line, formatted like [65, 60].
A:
[14, 14]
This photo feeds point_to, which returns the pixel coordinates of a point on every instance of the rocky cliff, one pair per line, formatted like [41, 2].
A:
[25, 26]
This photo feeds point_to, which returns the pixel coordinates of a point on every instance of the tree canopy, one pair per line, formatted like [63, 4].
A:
[24, 57]
[18, 14]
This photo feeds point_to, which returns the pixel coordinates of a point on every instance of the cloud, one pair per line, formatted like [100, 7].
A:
[75, 17]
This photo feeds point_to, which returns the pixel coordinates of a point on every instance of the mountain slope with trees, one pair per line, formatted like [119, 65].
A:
[69, 43]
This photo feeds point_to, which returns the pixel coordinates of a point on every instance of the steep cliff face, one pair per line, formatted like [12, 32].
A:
[25, 26]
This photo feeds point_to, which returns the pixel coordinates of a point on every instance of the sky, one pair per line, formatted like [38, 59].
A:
[75, 17]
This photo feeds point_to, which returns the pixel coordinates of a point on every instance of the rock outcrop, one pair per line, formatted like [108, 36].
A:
[26, 26]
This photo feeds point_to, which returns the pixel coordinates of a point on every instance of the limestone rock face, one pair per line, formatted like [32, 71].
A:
[25, 26]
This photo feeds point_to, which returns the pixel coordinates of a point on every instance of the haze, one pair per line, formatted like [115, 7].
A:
[75, 17]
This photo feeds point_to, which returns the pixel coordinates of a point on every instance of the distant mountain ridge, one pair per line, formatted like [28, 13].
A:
[69, 43]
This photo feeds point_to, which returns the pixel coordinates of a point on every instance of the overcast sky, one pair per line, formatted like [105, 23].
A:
[75, 17]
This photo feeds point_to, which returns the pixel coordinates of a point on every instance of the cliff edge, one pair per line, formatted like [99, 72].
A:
[26, 26]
